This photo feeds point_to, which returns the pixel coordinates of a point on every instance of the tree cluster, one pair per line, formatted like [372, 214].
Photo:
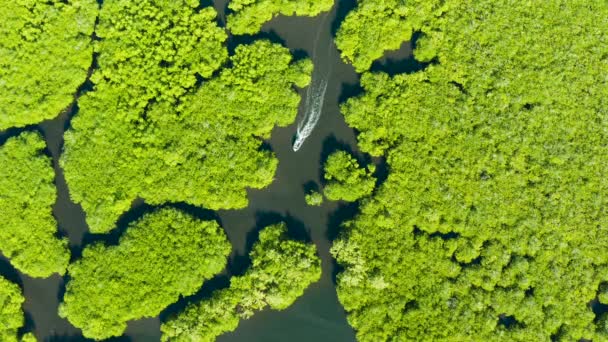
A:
[314, 198]
[370, 29]
[179, 142]
[164, 255]
[346, 180]
[491, 225]
[27, 194]
[45, 53]
[11, 314]
[249, 15]
[281, 270]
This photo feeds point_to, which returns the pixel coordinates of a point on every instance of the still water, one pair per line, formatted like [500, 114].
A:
[317, 315]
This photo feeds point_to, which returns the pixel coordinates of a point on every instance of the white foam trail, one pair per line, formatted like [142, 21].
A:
[315, 95]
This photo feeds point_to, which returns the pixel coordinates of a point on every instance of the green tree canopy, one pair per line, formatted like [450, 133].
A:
[494, 207]
[177, 142]
[250, 15]
[11, 314]
[280, 272]
[370, 29]
[346, 180]
[27, 194]
[314, 198]
[153, 51]
[45, 53]
[162, 256]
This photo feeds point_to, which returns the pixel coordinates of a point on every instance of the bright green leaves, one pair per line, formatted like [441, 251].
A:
[178, 144]
[345, 179]
[250, 15]
[11, 314]
[376, 26]
[314, 198]
[493, 207]
[45, 53]
[280, 272]
[370, 29]
[153, 50]
[164, 255]
[27, 194]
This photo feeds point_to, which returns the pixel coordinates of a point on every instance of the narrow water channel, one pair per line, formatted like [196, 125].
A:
[316, 316]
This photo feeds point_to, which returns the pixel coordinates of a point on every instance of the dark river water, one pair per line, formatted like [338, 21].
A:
[317, 315]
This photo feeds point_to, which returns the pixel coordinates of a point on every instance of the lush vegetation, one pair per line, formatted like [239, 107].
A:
[346, 180]
[27, 194]
[178, 142]
[250, 15]
[374, 27]
[314, 198]
[11, 314]
[164, 255]
[45, 53]
[491, 225]
[280, 272]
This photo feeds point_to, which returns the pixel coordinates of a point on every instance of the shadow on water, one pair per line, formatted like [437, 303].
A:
[16, 131]
[28, 324]
[9, 272]
[401, 61]
[246, 39]
[239, 263]
[220, 281]
[382, 170]
[350, 91]
[205, 3]
[271, 35]
[599, 309]
[296, 229]
[331, 144]
[345, 212]
[310, 186]
[344, 7]
[139, 208]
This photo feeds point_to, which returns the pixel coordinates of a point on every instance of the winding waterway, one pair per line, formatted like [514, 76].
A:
[316, 316]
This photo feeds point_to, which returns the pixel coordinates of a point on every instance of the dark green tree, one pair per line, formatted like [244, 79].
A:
[280, 272]
[45, 53]
[27, 194]
[250, 15]
[162, 256]
[493, 210]
[346, 180]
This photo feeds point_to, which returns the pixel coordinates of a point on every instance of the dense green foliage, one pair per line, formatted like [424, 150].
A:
[27, 194]
[346, 180]
[11, 314]
[494, 208]
[250, 15]
[372, 28]
[164, 255]
[314, 198]
[280, 272]
[45, 53]
[177, 143]
[152, 51]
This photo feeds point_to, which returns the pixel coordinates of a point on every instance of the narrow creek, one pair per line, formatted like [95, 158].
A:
[317, 315]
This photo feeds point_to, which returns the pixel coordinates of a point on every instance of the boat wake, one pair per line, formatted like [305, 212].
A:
[315, 95]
